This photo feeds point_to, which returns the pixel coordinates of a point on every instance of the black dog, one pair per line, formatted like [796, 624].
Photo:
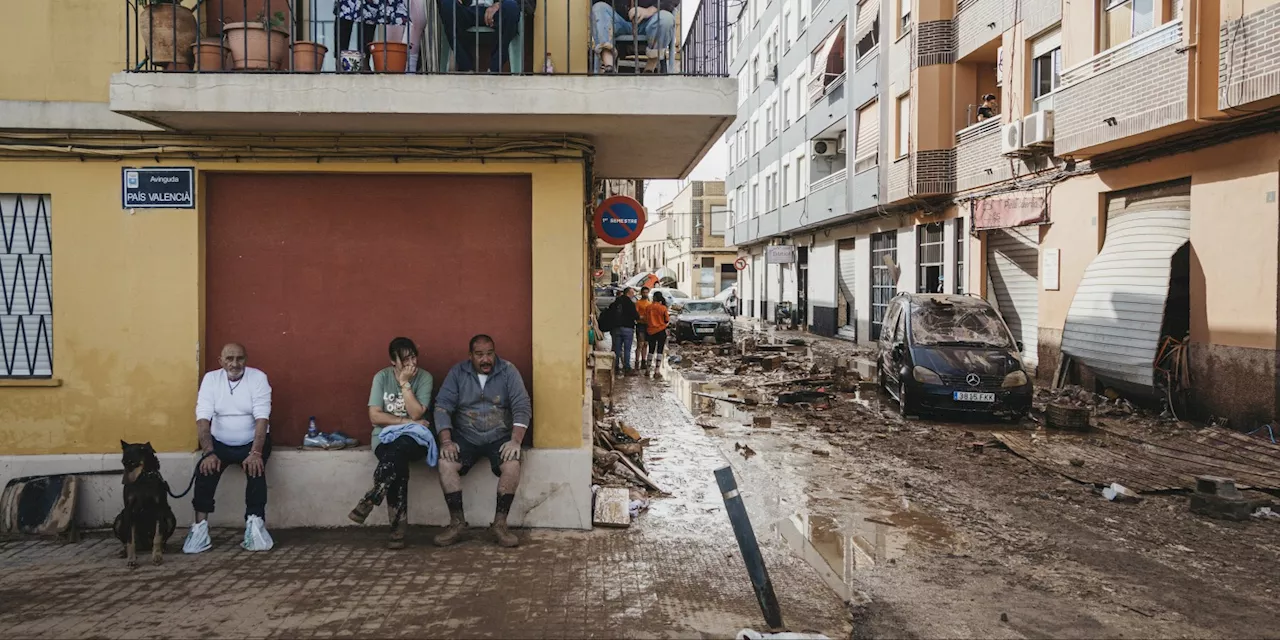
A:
[146, 504]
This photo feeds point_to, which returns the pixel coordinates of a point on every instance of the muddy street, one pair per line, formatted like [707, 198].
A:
[932, 528]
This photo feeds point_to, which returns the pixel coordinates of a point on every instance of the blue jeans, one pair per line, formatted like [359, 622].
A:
[659, 30]
[457, 18]
[622, 338]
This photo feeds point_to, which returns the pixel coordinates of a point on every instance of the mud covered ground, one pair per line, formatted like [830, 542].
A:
[928, 537]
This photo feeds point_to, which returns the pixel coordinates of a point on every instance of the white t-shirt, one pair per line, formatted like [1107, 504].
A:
[483, 379]
[233, 407]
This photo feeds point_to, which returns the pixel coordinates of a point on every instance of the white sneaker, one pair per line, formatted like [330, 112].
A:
[256, 537]
[197, 538]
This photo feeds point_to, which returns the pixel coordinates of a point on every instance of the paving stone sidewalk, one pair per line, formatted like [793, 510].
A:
[676, 572]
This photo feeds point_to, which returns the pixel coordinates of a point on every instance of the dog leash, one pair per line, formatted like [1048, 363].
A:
[191, 484]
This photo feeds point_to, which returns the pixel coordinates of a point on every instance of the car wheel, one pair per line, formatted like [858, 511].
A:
[905, 409]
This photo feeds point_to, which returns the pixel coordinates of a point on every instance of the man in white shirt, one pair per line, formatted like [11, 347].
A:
[232, 410]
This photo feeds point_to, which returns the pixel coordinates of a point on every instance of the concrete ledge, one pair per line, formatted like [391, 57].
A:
[319, 488]
[620, 114]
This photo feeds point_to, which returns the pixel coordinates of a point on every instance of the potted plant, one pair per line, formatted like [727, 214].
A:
[210, 54]
[389, 57]
[308, 56]
[167, 30]
[220, 12]
[263, 44]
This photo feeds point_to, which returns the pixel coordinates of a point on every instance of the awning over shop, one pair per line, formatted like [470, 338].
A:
[1115, 322]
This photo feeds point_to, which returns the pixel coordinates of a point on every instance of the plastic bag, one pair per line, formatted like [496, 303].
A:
[197, 538]
[256, 537]
[750, 634]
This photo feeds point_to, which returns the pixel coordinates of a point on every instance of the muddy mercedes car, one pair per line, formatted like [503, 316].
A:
[947, 353]
[699, 319]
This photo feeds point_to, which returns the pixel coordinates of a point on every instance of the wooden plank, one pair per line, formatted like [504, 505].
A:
[1223, 453]
[1227, 449]
[1193, 463]
[1248, 442]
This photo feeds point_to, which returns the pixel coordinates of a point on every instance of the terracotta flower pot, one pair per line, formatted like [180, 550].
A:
[210, 55]
[254, 46]
[215, 13]
[167, 31]
[308, 56]
[389, 57]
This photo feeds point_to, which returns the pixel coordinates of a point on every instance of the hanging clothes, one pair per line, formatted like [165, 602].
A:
[393, 12]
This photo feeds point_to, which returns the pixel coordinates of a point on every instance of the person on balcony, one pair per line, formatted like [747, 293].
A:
[460, 17]
[398, 404]
[482, 412]
[989, 109]
[653, 19]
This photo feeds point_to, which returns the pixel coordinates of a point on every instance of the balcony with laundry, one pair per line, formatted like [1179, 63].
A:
[648, 88]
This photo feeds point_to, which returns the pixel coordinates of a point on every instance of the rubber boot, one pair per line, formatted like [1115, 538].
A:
[399, 526]
[366, 505]
[501, 533]
[452, 533]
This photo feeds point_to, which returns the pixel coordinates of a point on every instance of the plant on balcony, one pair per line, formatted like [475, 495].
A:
[210, 54]
[168, 30]
[308, 56]
[262, 44]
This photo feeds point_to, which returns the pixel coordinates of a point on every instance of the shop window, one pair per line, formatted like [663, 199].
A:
[26, 265]
[884, 252]
[961, 243]
[929, 243]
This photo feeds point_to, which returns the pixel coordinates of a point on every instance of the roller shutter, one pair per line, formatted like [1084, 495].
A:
[1114, 324]
[1013, 269]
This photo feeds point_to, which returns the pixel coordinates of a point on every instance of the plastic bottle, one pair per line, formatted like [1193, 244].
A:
[312, 431]
[548, 66]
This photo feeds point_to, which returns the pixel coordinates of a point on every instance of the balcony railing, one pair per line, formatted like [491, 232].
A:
[1163, 36]
[822, 84]
[427, 36]
[827, 181]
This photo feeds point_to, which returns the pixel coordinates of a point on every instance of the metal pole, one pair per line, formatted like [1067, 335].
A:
[749, 547]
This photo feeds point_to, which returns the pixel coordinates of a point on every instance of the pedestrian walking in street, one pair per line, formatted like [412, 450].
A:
[642, 343]
[621, 316]
[657, 321]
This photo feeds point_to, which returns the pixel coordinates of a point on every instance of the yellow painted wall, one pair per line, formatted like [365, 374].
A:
[61, 49]
[128, 308]
[1233, 236]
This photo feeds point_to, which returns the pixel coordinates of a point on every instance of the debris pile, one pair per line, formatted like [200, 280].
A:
[618, 456]
[1107, 404]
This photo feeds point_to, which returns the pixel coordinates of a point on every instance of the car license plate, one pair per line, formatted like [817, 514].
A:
[704, 329]
[972, 396]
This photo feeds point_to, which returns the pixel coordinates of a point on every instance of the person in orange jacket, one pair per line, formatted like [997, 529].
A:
[657, 322]
[642, 331]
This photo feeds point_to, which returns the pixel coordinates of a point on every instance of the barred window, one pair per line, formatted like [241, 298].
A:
[26, 294]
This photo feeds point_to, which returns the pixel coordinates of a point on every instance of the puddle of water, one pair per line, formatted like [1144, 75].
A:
[838, 548]
[688, 387]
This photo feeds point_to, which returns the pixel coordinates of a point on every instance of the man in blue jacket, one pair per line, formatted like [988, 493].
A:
[482, 411]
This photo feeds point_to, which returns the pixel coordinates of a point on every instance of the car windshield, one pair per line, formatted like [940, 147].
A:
[941, 324]
[676, 293]
[703, 307]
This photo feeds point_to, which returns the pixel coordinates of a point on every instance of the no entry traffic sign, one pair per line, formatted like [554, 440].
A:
[619, 220]
[740, 264]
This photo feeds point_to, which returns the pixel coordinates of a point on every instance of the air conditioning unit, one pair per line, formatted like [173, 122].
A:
[773, 74]
[1011, 138]
[842, 142]
[1037, 129]
[822, 148]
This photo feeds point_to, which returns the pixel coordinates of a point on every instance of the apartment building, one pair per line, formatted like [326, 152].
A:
[153, 212]
[696, 222]
[1108, 206]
